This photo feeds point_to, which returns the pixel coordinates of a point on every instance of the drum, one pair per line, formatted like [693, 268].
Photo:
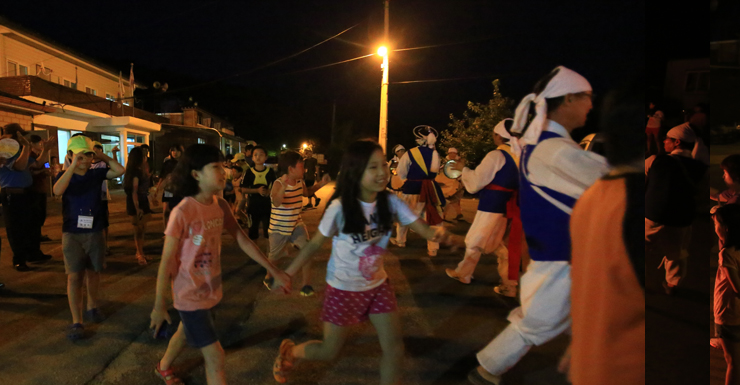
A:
[449, 172]
[396, 183]
[8, 148]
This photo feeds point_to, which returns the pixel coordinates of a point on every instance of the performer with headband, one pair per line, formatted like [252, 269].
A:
[395, 183]
[417, 168]
[497, 179]
[553, 172]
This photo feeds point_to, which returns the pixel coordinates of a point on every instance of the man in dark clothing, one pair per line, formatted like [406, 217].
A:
[17, 197]
[670, 205]
[311, 167]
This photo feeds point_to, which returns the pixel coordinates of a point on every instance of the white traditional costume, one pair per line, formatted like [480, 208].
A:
[497, 179]
[553, 172]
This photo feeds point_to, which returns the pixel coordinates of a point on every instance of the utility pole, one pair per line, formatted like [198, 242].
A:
[383, 137]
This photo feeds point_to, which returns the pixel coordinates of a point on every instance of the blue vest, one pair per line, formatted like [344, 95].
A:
[546, 227]
[494, 201]
[412, 186]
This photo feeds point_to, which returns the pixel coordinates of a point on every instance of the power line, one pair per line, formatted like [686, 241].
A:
[444, 80]
[446, 44]
[264, 65]
[328, 65]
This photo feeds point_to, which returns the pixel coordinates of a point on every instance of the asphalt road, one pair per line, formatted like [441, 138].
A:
[444, 322]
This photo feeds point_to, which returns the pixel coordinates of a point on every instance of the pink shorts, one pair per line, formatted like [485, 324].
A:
[344, 308]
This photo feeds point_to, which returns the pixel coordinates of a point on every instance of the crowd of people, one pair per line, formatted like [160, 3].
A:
[560, 220]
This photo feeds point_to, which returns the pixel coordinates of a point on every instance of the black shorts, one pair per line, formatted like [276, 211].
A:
[200, 329]
[106, 214]
[728, 332]
[309, 183]
[231, 198]
[143, 204]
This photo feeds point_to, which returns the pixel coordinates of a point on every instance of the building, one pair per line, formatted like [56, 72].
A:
[196, 125]
[687, 82]
[78, 94]
[61, 93]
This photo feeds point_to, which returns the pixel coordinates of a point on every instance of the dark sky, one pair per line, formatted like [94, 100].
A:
[188, 43]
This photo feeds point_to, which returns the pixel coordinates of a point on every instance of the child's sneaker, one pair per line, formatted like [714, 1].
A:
[75, 332]
[284, 361]
[318, 201]
[268, 282]
[506, 291]
[94, 315]
[307, 291]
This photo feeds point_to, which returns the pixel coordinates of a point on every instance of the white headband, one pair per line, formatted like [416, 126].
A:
[565, 82]
[431, 139]
[501, 129]
[682, 132]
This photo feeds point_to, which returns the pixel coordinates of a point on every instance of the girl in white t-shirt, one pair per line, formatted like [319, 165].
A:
[359, 220]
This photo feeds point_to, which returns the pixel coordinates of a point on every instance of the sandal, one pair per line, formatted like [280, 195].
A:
[284, 362]
[141, 259]
[75, 332]
[167, 376]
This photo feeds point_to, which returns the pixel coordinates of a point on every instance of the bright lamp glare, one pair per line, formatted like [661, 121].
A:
[382, 51]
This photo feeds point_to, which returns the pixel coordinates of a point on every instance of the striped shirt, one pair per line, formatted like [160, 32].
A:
[285, 218]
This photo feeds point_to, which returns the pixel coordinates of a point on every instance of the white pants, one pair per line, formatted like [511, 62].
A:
[544, 314]
[417, 208]
[672, 243]
[485, 236]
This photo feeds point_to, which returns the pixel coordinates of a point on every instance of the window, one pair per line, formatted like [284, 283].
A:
[110, 97]
[697, 81]
[201, 141]
[70, 84]
[91, 91]
[43, 72]
[22, 70]
[12, 68]
[135, 138]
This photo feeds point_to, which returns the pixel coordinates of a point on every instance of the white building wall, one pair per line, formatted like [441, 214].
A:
[30, 56]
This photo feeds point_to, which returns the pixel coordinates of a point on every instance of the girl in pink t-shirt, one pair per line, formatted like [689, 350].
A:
[358, 217]
[726, 289]
[191, 261]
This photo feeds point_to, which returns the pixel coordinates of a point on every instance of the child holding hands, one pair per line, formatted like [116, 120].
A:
[359, 218]
[286, 225]
[191, 261]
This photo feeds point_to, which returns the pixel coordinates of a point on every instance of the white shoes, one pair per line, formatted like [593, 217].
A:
[505, 290]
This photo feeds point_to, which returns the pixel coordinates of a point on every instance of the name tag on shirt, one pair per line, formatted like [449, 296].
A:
[168, 194]
[84, 222]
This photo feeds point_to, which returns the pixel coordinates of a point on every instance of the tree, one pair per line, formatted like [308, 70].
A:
[472, 134]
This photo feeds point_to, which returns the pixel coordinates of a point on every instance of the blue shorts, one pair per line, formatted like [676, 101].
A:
[200, 330]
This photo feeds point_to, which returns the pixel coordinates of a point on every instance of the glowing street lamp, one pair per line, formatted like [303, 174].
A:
[305, 145]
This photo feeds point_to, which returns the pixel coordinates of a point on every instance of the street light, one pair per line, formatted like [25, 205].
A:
[305, 145]
[383, 137]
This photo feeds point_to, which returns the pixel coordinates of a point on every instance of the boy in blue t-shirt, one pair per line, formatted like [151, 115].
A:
[83, 222]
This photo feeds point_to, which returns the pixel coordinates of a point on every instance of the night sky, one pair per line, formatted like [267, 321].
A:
[187, 44]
